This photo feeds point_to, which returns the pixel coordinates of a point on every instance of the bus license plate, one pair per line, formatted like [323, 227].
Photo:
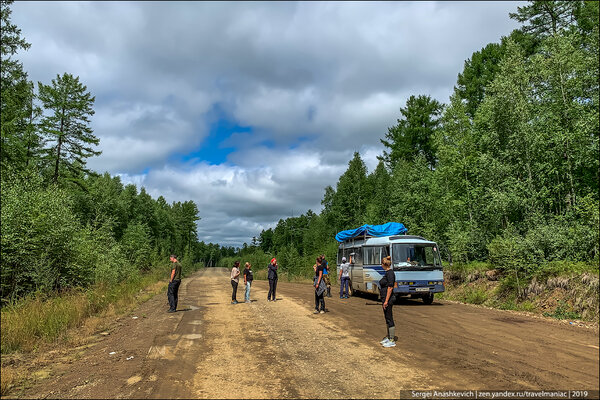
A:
[422, 289]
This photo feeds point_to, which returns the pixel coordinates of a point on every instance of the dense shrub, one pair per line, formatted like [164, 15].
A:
[39, 236]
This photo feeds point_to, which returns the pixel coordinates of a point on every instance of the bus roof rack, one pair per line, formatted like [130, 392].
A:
[407, 237]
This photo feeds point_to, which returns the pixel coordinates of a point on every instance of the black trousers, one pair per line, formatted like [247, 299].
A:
[320, 301]
[234, 285]
[272, 288]
[172, 294]
[387, 313]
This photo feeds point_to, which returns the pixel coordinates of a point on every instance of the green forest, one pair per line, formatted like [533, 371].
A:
[64, 225]
[505, 174]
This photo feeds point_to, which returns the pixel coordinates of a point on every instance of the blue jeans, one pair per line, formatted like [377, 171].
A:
[319, 301]
[248, 284]
[344, 286]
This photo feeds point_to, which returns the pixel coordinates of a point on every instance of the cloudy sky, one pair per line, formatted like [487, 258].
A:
[250, 109]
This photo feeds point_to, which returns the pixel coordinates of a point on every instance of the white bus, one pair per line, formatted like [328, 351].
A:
[416, 263]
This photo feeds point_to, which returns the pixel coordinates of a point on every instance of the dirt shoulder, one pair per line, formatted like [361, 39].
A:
[213, 349]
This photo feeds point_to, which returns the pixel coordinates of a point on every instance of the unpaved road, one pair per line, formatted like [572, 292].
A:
[213, 349]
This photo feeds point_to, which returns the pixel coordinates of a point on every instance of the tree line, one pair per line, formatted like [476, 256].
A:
[507, 172]
[64, 225]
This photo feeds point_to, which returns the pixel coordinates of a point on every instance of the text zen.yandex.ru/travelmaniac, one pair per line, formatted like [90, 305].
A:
[499, 394]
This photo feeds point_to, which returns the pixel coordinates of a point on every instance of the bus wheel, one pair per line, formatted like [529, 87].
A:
[428, 298]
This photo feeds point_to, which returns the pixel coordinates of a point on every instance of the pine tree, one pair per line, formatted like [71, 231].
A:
[350, 199]
[479, 71]
[547, 17]
[68, 127]
[413, 136]
[17, 110]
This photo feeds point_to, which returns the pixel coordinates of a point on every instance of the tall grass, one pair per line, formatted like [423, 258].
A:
[43, 318]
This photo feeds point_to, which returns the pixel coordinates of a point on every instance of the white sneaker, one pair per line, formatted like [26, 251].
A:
[389, 344]
[385, 340]
[321, 312]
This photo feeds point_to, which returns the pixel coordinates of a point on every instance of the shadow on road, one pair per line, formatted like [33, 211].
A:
[404, 301]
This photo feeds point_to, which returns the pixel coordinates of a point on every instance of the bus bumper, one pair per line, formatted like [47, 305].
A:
[421, 289]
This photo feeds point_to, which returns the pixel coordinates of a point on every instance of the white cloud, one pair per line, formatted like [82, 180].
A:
[315, 81]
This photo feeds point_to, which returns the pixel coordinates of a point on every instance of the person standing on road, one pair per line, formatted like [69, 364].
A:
[326, 274]
[272, 275]
[235, 276]
[174, 282]
[344, 278]
[320, 287]
[386, 288]
[248, 277]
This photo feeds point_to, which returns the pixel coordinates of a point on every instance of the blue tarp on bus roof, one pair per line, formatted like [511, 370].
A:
[389, 229]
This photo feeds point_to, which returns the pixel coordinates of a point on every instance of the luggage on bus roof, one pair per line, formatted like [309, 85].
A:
[389, 229]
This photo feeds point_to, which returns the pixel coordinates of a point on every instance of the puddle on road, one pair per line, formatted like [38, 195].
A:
[134, 380]
[193, 336]
[159, 352]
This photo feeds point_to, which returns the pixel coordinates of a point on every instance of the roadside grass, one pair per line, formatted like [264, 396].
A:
[475, 295]
[39, 327]
[562, 312]
[8, 378]
[557, 289]
[41, 318]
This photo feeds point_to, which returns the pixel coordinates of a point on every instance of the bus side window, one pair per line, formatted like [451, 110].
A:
[357, 257]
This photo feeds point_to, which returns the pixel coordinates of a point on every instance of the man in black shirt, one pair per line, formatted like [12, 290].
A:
[386, 288]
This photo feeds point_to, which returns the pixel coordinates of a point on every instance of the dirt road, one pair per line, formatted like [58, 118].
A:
[213, 349]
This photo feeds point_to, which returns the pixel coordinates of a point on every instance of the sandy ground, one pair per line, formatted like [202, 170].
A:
[213, 349]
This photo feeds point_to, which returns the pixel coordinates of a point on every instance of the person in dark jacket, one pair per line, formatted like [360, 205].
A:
[319, 285]
[386, 288]
[272, 275]
[235, 278]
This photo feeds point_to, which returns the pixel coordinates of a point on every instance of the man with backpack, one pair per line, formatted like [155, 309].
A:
[326, 274]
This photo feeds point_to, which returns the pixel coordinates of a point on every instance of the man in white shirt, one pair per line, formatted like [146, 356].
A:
[344, 278]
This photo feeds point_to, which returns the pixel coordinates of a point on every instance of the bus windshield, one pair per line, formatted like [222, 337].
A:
[415, 256]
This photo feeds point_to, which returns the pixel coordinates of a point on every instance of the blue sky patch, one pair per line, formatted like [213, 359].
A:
[213, 150]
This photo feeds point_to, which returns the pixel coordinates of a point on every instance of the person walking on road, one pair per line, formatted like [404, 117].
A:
[248, 277]
[386, 288]
[326, 274]
[320, 287]
[235, 276]
[272, 275]
[174, 282]
[345, 278]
